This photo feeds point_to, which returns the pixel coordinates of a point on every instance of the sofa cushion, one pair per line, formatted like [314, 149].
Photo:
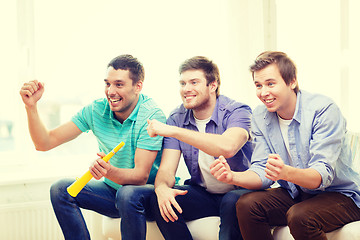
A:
[201, 229]
[208, 229]
[350, 231]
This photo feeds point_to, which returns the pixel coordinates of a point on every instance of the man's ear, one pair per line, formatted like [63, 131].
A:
[138, 86]
[214, 86]
[293, 84]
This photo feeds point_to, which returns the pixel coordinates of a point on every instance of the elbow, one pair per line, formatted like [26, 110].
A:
[228, 154]
[41, 148]
[317, 181]
[255, 187]
[142, 180]
[316, 184]
[229, 150]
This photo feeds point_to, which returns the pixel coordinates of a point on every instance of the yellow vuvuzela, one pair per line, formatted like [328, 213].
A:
[80, 183]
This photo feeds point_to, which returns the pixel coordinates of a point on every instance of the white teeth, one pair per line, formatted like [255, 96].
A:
[269, 101]
[114, 100]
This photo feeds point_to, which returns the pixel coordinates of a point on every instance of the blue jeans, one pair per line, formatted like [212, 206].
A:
[129, 203]
[199, 203]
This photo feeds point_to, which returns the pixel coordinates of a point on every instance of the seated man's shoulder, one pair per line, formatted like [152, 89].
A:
[226, 103]
[260, 110]
[99, 101]
[178, 111]
[147, 103]
[98, 105]
[316, 101]
[149, 107]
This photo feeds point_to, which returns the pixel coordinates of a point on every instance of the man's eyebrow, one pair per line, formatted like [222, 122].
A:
[193, 79]
[267, 80]
[115, 81]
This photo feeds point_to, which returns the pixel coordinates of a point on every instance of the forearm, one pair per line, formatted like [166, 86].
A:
[307, 178]
[125, 176]
[247, 179]
[38, 132]
[212, 144]
[164, 179]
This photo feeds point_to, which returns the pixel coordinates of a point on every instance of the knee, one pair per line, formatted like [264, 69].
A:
[247, 207]
[125, 196]
[131, 196]
[299, 217]
[228, 203]
[245, 203]
[59, 189]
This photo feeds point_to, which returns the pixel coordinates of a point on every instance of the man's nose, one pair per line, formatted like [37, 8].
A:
[264, 91]
[111, 90]
[187, 87]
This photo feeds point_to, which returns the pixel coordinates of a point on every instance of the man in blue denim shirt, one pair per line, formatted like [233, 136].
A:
[300, 142]
[205, 126]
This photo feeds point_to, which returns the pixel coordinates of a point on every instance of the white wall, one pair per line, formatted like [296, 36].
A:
[74, 40]
[67, 45]
[322, 38]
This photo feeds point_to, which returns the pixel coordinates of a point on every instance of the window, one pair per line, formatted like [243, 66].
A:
[7, 58]
[67, 46]
[322, 38]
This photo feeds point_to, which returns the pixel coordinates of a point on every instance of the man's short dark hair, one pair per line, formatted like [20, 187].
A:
[287, 67]
[128, 62]
[210, 69]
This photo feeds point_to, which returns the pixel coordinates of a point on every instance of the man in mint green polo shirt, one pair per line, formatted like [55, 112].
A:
[120, 116]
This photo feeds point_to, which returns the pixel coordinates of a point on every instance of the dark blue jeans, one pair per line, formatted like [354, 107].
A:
[199, 203]
[129, 203]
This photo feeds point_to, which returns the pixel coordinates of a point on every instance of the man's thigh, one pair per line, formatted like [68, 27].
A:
[331, 210]
[198, 203]
[135, 198]
[99, 197]
[268, 205]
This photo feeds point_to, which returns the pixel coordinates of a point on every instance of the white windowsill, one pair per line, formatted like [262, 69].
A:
[43, 169]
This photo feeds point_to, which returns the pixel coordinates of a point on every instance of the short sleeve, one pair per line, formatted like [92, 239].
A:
[147, 142]
[169, 142]
[82, 118]
[240, 117]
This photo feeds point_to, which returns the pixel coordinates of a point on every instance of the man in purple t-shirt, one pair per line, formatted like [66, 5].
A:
[206, 126]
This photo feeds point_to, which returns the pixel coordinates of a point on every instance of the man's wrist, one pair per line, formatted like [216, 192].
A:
[176, 132]
[31, 109]
[289, 172]
[160, 187]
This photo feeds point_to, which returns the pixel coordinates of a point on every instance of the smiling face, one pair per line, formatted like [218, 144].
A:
[272, 90]
[120, 92]
[194, 91]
